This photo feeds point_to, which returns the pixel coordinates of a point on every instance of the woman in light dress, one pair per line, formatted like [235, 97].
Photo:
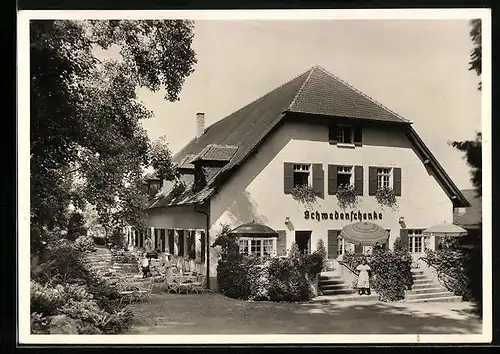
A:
[363, 277]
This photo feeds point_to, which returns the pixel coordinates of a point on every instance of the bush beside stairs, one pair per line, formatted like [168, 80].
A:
[334, 288]
[426, 289]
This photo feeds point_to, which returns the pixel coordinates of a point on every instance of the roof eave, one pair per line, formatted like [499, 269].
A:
[456, 196]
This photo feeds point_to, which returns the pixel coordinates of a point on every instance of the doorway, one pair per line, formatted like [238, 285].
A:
[303, 241]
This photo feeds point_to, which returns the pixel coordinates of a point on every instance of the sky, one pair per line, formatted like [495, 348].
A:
[417, 68]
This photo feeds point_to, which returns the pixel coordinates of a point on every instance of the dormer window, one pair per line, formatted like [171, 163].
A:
[345, 134]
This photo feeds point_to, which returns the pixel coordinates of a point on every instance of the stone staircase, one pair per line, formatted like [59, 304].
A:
[426, 289]
[332, 286]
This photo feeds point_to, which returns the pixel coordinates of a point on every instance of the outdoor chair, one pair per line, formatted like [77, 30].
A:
[198, 286]
[145, 293]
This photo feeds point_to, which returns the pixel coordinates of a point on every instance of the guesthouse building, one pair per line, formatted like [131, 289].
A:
[306, 160]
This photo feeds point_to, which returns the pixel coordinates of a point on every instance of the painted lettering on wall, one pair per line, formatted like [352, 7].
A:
[353, 215]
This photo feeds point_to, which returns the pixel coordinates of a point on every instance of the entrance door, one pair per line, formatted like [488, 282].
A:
[303, 241]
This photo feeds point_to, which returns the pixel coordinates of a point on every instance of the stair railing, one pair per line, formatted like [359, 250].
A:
[352, 274]
[448, 281]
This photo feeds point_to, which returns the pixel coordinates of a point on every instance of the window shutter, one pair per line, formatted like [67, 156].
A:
[203, 246]
[396, 175]
[358, 249]
[156, 238]
[358, 136]
[288, 177]
[332, 179]
[372, 180]
[171, 241]
[403, 235]
[332, 243]
[332, 133]
[358, 180]
[318, 180]
[281, 243]
[162, 238]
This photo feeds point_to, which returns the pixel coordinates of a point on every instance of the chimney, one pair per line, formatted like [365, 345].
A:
[200, 124]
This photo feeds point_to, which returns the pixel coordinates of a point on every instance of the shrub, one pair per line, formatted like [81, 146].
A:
[99, 241]
[313, 263]
[392, 274]
[117, 238]
[76, 226]
[45, 299]
[39, 324]
[85, 244]
[449, 263]
[352, 260]
[288, 280]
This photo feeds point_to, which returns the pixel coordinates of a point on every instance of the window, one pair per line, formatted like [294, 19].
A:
[243, 245]
[344, 175]
[340, 246]
[345, 134]
[301, 175]
[417, 242]
[262, 247]
[383, 177]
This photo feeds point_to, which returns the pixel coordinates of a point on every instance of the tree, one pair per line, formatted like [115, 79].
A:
[472, 148]
[76, 226]
[87, 141]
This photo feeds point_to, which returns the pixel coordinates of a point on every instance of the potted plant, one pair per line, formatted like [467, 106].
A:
[346, 196]
[304, 194]
[386, 197]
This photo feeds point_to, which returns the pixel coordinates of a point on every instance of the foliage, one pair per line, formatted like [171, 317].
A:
[473, 148]
[39, 324]
[288, 280]
[352, 259]
[347, 197]
[117, 238]
[233, 275]
[226, 242]
[87, 141]
[473, 156]
[458, 267]
[76, 226]
[94, 304]
[277, 279]
[392, 273]
[85, 244]
[321, 250]
[476, 54]
[304, 194]
[385, 196]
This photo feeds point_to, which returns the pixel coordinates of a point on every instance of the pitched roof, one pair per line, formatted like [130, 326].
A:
[214, 152]
[473, 214]
[313, 92]
[325, 94]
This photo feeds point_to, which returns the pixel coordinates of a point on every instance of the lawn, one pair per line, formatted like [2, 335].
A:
[217, 314]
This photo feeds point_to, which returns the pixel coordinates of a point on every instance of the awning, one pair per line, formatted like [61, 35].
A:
[445, 229]
[253, 229]
[364, 233]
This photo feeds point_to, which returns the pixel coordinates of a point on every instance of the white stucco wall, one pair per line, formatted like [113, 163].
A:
[256, 190]
[182, 217]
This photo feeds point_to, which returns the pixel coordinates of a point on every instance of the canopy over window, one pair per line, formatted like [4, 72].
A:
[445, 229]
[364, 233]
[253, 229]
